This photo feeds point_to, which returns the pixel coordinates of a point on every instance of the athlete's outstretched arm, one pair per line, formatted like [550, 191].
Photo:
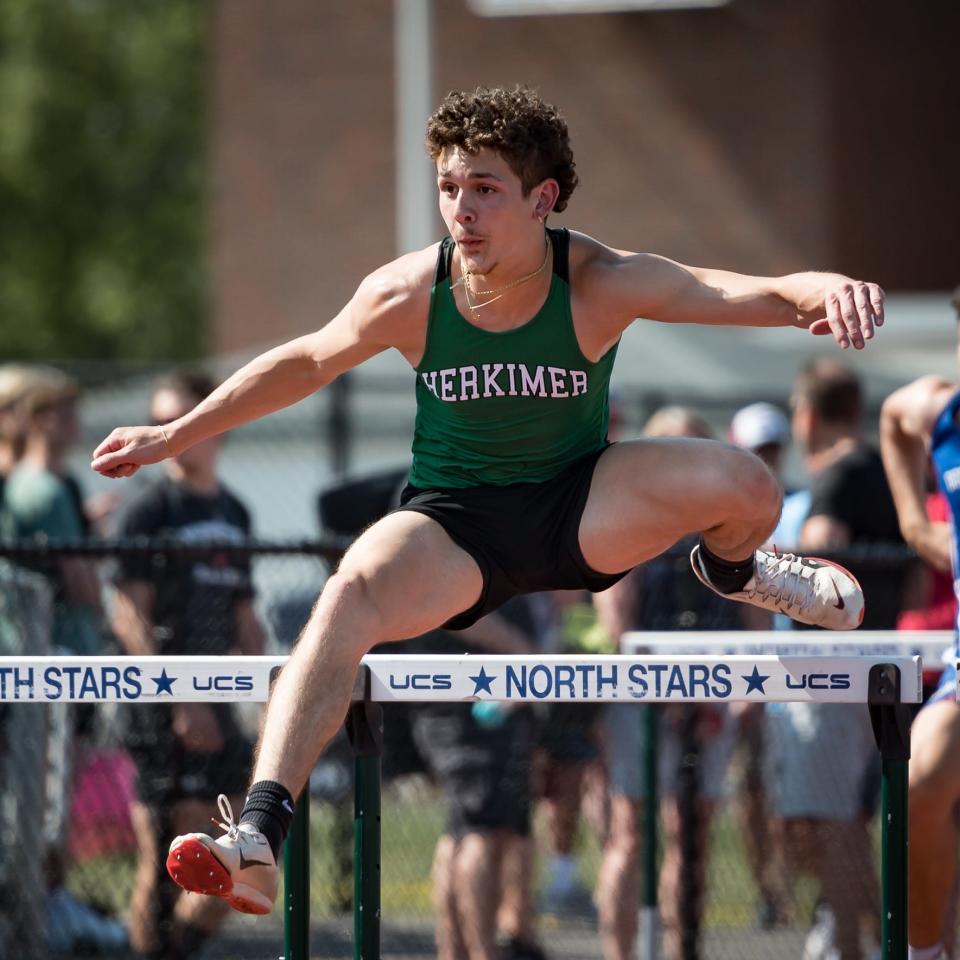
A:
[630, 285]
[275, 379]
[906, 425]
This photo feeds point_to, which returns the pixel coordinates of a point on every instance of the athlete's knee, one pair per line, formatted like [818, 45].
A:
[349, 598]
[752, 483]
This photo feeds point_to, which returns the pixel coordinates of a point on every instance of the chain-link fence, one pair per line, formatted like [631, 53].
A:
[749, 836]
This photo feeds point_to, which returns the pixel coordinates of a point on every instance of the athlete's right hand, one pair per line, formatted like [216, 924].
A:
[127, 449]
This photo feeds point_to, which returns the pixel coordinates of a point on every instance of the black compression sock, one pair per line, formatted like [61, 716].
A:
[269, 808]
[728, 576]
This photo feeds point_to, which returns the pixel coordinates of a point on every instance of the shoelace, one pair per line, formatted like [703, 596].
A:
[226, 811]
[784, 580]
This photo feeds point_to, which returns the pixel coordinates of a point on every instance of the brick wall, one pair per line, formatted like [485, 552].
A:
[764, 137]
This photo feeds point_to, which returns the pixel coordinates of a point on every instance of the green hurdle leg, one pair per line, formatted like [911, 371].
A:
[649, 916]
[891, 728]
[365, 727]
[296, 883]
[296, 876]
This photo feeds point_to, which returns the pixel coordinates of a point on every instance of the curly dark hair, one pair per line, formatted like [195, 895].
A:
[526, 131]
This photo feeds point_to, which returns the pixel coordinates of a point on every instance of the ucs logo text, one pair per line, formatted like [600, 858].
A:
[819, 681]
[224, 683]
[421, 681]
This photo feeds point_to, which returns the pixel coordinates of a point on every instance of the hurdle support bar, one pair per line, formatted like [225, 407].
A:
[365, 730]
[296, 871]
[891, 728]
[296, 883]
[649, 941]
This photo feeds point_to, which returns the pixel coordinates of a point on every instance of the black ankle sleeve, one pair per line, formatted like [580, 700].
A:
[269, 807]
[728, 576]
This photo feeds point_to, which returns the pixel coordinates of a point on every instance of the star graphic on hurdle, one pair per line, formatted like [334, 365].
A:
[482, 682]
[755, 680]
[164, 683]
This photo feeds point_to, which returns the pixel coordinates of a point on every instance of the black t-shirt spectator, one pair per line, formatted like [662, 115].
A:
[854, 491]
[670, 597]
[196, 596]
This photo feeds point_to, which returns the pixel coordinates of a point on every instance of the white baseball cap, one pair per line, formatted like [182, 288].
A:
[759, 424]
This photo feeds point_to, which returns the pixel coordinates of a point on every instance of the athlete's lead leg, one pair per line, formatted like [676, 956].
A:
[648, 494]
[402, 578]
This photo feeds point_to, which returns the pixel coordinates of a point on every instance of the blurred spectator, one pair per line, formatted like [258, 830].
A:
[662, 595]
[568, 752]
[822, 759]
[481, 754]
[14, 378]
[15, 382]
[168, 604]
[40, 500]
[765, 430]
[851, 504]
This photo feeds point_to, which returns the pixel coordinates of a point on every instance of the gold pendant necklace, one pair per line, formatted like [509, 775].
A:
[496, 293]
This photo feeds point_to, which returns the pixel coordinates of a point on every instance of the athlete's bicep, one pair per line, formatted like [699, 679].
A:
[625, 286]
[632, 285]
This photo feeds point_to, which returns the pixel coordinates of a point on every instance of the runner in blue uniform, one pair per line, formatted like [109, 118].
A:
[918, 422]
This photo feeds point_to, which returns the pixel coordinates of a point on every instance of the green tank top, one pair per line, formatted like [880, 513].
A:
[510, 407]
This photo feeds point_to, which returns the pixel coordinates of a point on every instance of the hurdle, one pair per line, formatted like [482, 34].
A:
[887, 683]
[930, 646]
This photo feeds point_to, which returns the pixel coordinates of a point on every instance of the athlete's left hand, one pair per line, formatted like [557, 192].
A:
[849, 310]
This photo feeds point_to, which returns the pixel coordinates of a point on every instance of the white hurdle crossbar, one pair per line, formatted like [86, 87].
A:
[930, 645]
[625, 678]
[774, 668]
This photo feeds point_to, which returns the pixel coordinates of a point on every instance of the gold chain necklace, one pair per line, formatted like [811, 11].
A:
[496, 293]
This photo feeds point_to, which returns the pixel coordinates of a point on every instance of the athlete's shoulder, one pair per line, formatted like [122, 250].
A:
[588, 253]
[388, 306]
[597, 267]
[403, 281]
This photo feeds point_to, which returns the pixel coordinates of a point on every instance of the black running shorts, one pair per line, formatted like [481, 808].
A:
[523, 536]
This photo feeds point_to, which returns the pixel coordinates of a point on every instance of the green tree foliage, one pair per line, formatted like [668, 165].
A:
[101, 179]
